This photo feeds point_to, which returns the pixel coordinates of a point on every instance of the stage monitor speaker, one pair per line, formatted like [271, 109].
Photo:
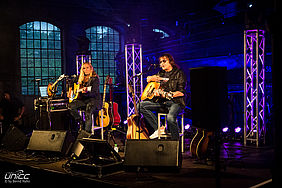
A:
[152, 153]
[77, 146]
[98, 157]
[99, 149]
[208, 97]
[53, 141]
[14, 139]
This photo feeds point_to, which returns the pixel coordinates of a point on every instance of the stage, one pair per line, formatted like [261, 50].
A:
[239, 167]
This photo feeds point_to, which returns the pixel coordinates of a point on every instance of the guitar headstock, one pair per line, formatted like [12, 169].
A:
[61, 77]
[130, 89]
[107, 79]
[110, 81]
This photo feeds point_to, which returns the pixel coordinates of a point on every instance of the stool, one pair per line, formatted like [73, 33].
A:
[94, 128]
[181, 134]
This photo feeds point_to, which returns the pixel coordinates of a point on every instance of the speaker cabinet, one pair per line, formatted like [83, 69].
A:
[14, 139]
[77, 146]
[53, 141]
[208, 97]
[152, 153]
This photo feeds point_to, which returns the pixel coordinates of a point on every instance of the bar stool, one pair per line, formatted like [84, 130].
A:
[93, 128]
[181, 134]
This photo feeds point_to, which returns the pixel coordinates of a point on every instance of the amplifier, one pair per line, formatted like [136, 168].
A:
[51, 105]
[56, 105]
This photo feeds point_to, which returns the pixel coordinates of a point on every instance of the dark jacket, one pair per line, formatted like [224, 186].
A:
[177, 82]
[94, 95]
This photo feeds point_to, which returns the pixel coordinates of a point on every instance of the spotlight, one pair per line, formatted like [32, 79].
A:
[237, 129]
[250, 5]
[125, 122]
[225, 129]
[187, 126]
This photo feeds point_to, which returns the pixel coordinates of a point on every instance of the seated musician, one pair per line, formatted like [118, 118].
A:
[170, 95]
[89, 97]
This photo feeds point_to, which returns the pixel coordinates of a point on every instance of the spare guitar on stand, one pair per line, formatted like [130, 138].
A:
[136, 126]
[105, 118]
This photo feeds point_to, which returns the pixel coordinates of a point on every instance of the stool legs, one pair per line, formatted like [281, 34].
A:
[181, 134]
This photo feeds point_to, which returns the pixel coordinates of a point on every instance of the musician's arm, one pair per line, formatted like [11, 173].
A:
[94, 88]
[153, 78]
[181, 85]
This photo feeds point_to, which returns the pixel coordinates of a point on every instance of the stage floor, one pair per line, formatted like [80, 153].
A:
[239, 167]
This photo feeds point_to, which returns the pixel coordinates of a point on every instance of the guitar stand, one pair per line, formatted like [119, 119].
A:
[111, 136]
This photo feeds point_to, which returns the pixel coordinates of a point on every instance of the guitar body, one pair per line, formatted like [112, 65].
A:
[116, 116]
[133, 128]
[148, 92]
[50, 90]
[106, 116]
[74, 93]
[199, 143]
[52, 87]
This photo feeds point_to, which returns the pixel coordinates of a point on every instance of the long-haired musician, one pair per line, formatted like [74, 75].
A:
[170, 96]
[86, 95]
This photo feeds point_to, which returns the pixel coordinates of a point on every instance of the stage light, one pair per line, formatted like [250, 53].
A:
[237, 129]
[225, 129]
[250, 5]
[125, 122]
[187, 126]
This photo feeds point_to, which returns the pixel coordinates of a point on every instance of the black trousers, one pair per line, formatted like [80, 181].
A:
[89, 108]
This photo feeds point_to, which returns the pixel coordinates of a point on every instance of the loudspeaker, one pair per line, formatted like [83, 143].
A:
[53, 141]
[208, 97]
[98, 157]
[152, 153]
[77, 146]
[14, 139]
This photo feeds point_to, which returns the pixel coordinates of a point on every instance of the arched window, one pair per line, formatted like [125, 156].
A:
[40, 55]
[104, 46]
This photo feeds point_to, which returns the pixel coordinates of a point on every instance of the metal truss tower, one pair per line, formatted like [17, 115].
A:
[80, 59]
[134, 77]
[254, 82]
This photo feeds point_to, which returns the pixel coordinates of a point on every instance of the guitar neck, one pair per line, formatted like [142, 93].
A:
[104, 95]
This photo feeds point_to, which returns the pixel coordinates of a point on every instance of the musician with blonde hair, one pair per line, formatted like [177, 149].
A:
[87, 96]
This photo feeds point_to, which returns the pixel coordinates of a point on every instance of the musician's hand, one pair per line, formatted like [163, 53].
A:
[156, 93]
[153, 78]
[84, 90]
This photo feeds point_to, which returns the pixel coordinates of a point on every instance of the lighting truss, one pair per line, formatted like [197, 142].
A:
[134, 77]
[254, 82]
[80, 59]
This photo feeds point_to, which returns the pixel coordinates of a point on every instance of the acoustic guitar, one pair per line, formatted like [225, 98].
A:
[105, 107]
[134, 131]
[152, 88]
[115, 120]
[52, 87]
[199, 143]
[75, 92]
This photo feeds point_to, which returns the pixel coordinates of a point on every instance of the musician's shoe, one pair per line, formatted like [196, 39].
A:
[154, 135]
[162, 130]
